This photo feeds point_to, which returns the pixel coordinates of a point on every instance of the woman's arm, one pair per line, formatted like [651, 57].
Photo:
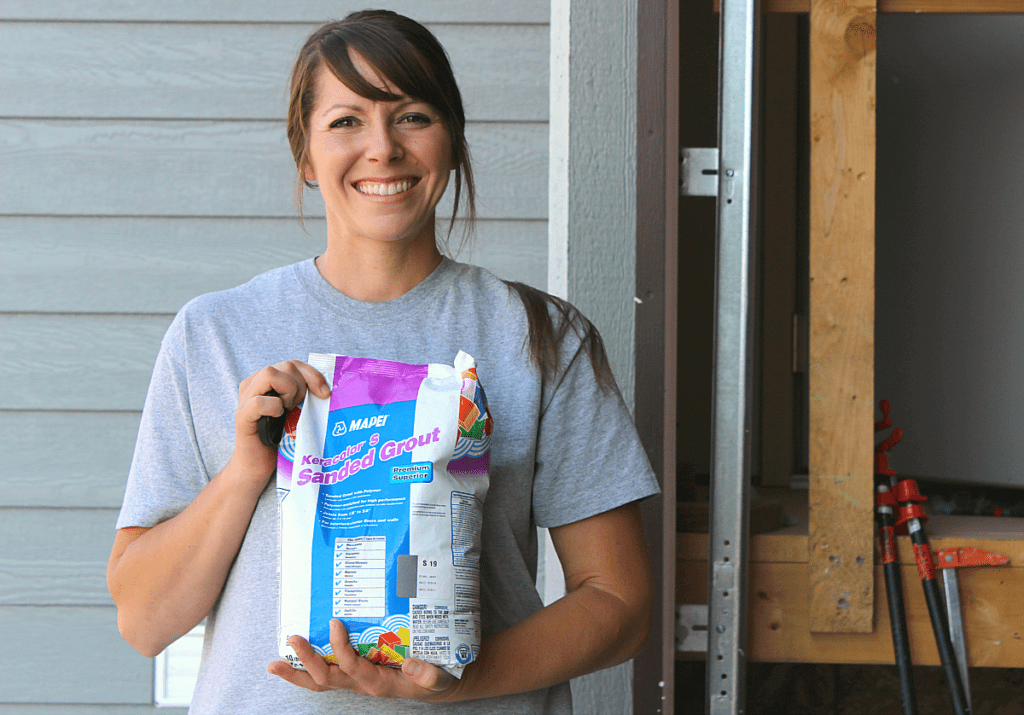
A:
[165, 579]
[603, 620]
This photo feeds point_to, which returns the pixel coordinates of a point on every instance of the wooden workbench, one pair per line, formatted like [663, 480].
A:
[778, 619]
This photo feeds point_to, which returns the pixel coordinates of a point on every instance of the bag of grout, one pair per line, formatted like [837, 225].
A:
[381, 490]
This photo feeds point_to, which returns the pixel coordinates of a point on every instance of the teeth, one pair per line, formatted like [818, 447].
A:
[388, 189]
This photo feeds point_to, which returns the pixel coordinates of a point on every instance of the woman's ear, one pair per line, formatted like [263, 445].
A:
[308, 175]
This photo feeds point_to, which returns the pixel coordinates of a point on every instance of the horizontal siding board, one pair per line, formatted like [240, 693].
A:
[91, 362]
[55, 557]
[130, 265]
[88, 470]
[512, 250]
[208, 168]
[147, 265]
[33, 709]
[105, 668]
[457, 11]
[158, 71]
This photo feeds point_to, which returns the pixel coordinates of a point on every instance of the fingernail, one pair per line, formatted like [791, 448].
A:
[411, 667]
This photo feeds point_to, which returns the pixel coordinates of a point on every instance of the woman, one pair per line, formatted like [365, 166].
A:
[376, 122]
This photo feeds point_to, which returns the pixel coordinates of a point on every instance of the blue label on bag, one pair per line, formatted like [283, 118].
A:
[363, 515]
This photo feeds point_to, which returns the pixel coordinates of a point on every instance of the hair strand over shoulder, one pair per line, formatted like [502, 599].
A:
[550, 319]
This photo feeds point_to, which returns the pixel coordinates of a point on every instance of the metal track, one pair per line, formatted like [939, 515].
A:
[730, 471]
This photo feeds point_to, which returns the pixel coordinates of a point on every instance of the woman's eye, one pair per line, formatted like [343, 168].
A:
[415, 119]
[343, 122]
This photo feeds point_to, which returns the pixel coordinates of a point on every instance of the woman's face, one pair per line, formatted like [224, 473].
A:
[381, 166]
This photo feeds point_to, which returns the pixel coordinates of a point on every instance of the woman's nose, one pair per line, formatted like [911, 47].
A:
[383, 143]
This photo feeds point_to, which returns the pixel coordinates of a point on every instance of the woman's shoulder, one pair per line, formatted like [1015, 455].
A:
[253, 296]
[240, 307]
[554, 328]
[507, 298]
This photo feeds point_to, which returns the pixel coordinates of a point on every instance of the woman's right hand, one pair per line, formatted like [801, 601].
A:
[166, 578]
[290, 380]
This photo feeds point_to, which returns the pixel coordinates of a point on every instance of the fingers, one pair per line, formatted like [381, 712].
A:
[300, 678]
[428, 676]
[416, 680]
[353, 672]
[289, 379]
[313, 379]
[318, 675]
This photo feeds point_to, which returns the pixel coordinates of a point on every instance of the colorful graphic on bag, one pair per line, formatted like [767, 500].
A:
[381, 488]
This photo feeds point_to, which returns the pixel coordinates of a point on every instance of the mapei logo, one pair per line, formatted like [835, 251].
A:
[358, 424]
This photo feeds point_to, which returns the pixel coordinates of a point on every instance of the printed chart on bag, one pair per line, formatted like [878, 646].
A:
[360, 577]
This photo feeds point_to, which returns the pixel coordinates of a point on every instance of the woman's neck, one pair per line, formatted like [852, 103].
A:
[377, 276]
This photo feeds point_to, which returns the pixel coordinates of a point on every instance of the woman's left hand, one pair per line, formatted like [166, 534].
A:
[417, 680]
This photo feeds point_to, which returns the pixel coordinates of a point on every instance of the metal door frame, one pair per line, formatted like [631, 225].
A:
[738, 132]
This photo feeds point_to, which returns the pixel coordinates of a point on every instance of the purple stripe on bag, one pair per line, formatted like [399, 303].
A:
[364, 381]
[470, 466]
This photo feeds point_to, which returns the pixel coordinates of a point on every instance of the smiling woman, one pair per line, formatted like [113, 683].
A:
[359, 52]
[376, 124]
[381, 168]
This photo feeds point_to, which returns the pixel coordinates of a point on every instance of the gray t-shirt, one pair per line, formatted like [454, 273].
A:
[563, 450]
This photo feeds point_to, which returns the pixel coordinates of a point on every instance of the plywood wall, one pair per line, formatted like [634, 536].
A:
[143, 161]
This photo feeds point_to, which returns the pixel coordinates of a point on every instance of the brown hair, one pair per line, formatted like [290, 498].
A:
[406, 54]
[550, 320]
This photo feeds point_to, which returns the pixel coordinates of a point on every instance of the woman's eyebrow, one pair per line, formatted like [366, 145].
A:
[352, 107]
[399, 104]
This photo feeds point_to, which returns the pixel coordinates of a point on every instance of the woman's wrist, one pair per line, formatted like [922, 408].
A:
[248, 474]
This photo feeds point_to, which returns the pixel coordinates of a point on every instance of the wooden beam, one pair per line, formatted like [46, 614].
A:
[842, 294]
[777, 617]
[973, 7]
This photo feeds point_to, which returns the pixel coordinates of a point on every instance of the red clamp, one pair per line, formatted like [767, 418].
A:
[886, 445]
[881, 458]
[907, 495]
[885, 422]
[886, 498]
[967, 556]
[906, 490]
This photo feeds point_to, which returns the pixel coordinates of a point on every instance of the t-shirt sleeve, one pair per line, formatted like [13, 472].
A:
[167, 472]
[589, 456]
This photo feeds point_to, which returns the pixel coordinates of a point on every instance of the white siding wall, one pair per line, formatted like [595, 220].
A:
[143, 161]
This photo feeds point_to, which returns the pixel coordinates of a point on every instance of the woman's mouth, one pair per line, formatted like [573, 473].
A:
[385, 188]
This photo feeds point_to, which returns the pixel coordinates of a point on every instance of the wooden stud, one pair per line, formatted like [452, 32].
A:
[842, 293]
